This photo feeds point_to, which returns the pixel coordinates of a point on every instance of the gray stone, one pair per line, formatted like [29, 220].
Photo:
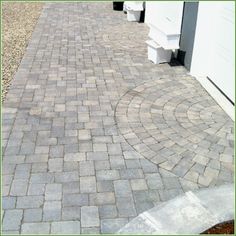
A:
[122, 188]
[166, 195]
[33, 215]
[107, 175]
[8, 202]
[138, 224]
[107, 211]
[65, 227]
[138, 184]
[65, 177]
[35, 228]
[105, 186]
[131, 174]
[106, 198]
[74, 156]
[109, 226]
[29, 202]
[125, 206]
[71, 187]
[102, 165]
[88, 184]
[36, 189]
[171, 183]
[89, 216]
[53, 192]
[93, 230]
[86, 168]
[133, 164]
[75, 200]
[71, 213]
[19, 187]
[154, 181]
[97, 156]
[52, 211]
[132, 155]
[39, 167]
[12, 219]
[55, 165]
[117, 162]
[42, 178]
[22, 171]
[56, 151]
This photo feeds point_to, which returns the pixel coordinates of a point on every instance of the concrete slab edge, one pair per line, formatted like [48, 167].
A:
[200, 210]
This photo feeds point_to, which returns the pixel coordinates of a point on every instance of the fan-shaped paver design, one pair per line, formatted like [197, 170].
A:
[174, 123]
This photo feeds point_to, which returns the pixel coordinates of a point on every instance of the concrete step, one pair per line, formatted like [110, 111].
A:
[190, 213]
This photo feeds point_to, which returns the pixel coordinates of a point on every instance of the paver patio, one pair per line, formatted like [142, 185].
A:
[94, 133]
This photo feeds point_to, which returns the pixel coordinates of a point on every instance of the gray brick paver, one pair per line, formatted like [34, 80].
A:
[65, 227]
[52, 211]
[12, 219]
[89, 216]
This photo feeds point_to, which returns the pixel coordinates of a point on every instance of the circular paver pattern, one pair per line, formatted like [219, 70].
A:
[176, 124]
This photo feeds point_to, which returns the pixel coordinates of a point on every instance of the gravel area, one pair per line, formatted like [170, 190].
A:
[18, 22]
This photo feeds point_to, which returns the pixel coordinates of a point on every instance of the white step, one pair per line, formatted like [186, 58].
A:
[168, 38]
[133, 15]
[190, 213]
[157, 54]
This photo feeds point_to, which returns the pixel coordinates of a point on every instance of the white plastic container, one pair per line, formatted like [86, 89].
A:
[133, 15]
[133, 10]
[157, 54]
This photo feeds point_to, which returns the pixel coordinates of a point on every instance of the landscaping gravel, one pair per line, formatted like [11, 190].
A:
[18, 22]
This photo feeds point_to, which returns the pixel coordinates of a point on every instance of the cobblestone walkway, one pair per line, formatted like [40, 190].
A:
[94, 133]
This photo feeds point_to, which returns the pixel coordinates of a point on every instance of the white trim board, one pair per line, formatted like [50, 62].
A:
[224, 103]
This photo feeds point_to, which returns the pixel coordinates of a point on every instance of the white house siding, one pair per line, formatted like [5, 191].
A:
[161, 12]
[214, 51]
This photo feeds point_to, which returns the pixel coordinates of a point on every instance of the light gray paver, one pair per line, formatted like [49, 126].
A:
[65, 227]
[53, 192]
[33, 215]
[8, 202]
[86, 168]
[105, 198]
[36, 189]
[92, 230]
[52, 211]
[29, 202]
[71, 213]
[12, 219]
[89, 216]
[75, 200]
[35, 228]
[19, 187]
[55, 165]
[107, 211]
[112, 225]
[88, 184]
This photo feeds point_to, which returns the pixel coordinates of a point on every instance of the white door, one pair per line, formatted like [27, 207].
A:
[222, 49]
